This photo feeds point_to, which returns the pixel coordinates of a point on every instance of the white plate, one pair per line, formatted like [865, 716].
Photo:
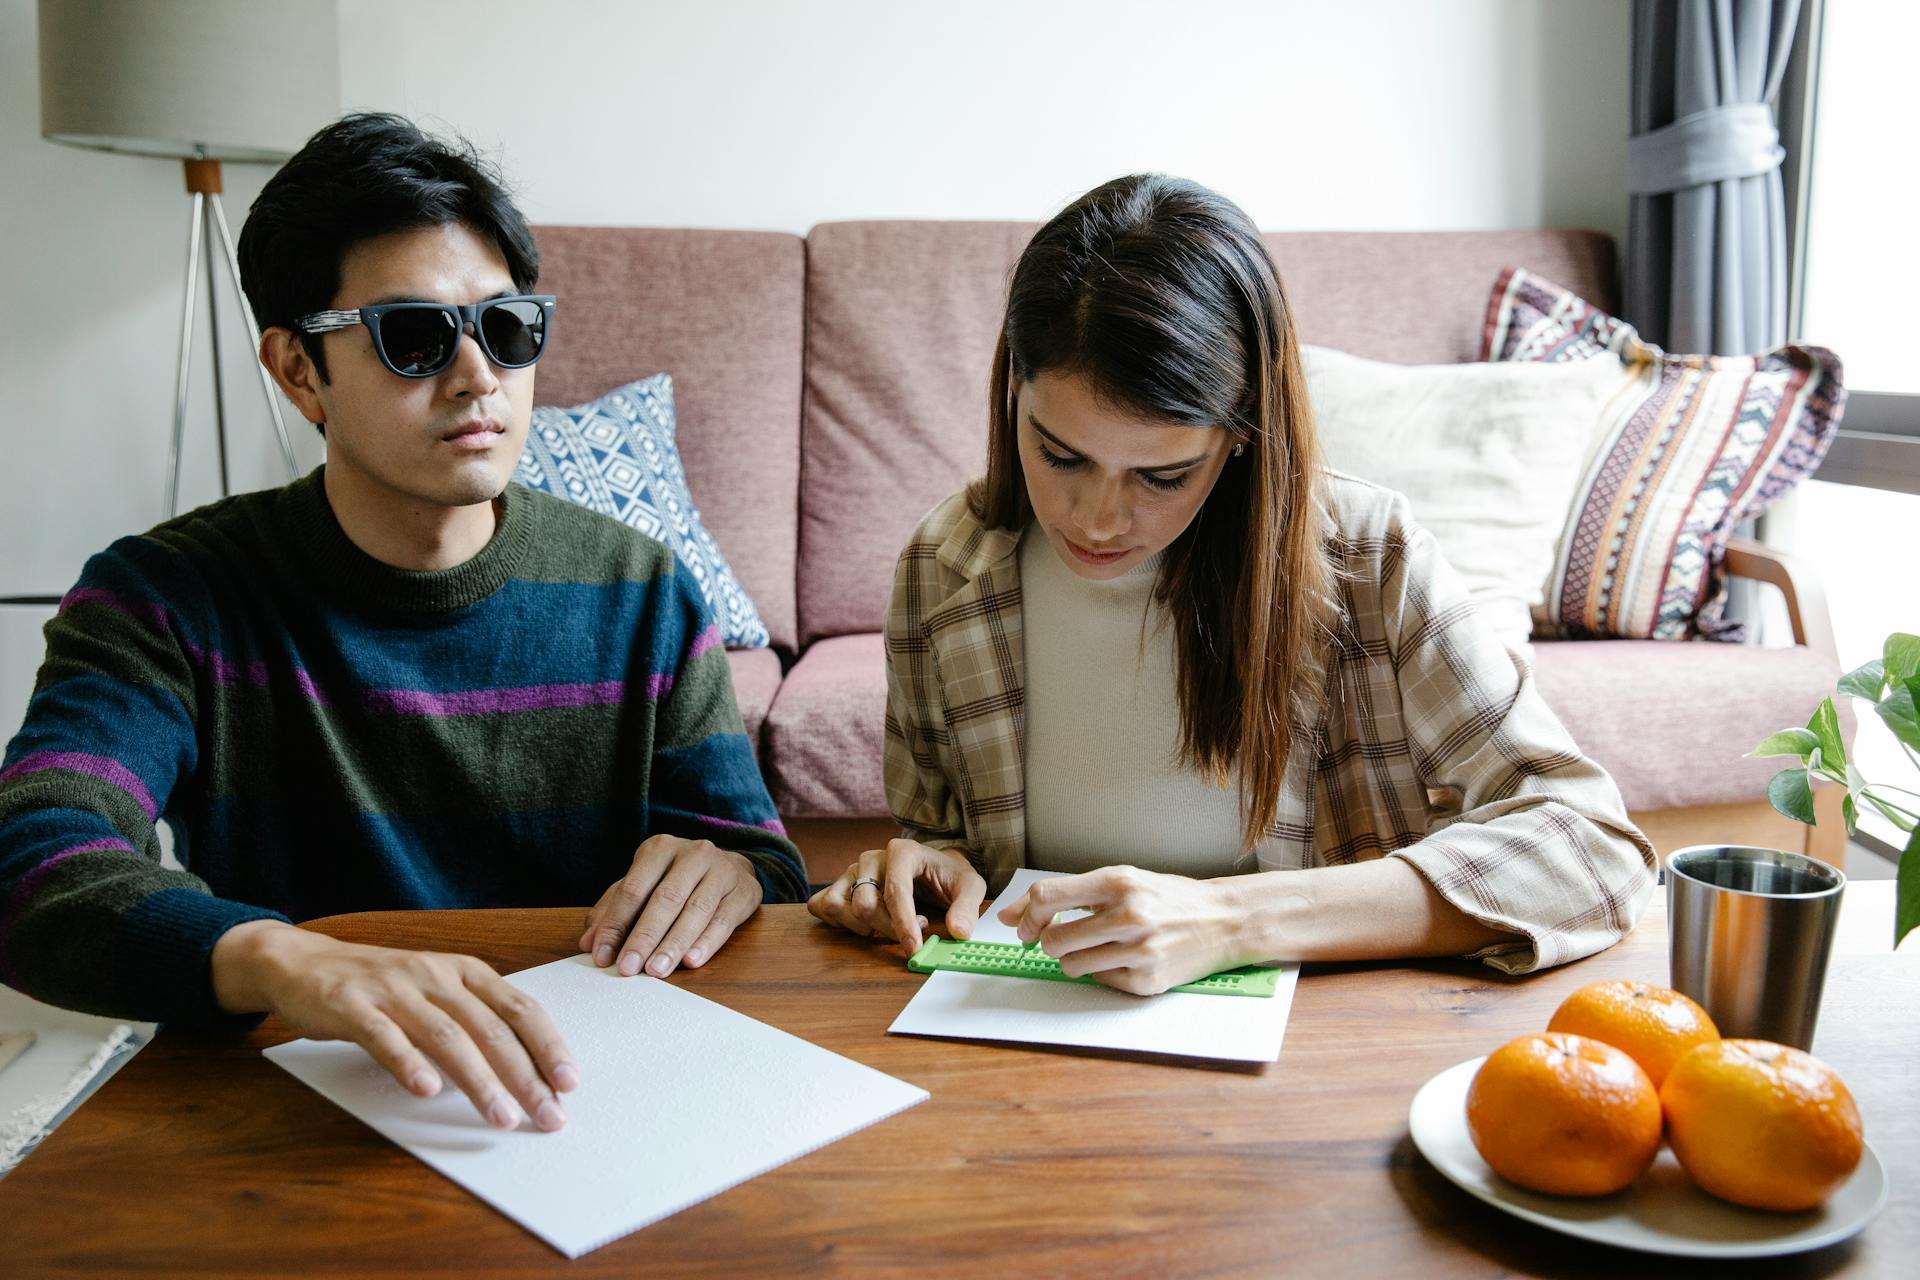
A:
[1662, 1212]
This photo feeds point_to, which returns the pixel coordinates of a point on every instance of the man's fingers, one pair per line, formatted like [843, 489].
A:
[624, 901]
[734, 911]
[670, 896]
[441, 1037]
[531, 1023]
[512, 1064]
[388, 1045]
[702, 904]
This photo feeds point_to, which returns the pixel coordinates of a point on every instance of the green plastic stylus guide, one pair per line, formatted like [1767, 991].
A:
[1011, 960]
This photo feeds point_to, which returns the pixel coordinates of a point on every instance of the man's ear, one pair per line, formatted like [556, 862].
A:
[286, 358]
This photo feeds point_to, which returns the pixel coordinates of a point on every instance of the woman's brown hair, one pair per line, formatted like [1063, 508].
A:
[1161, 295]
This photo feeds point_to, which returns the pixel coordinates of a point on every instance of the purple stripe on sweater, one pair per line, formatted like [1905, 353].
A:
[776, 826]
[467, 702]
[148, 611]
[102, 767]
[658, 686]
[216, 664]
[256, 674]
[708, 639]
[23, 893]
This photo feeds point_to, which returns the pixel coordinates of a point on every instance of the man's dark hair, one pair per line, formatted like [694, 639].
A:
[363, 176]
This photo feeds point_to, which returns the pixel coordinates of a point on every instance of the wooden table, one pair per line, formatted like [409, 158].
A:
[201, 1158]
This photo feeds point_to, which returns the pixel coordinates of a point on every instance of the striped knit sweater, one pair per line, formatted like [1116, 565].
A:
[326, 733]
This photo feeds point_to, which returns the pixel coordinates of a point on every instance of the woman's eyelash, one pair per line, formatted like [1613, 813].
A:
[1064, 462]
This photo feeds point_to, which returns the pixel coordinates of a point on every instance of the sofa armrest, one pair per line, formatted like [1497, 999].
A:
[1806, 597]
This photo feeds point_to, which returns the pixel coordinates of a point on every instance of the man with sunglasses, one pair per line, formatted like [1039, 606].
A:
[396, 683]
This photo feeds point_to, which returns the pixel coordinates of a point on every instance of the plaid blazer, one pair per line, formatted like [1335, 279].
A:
[1430, 741]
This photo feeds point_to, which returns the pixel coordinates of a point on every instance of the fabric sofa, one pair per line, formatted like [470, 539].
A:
[832, 388]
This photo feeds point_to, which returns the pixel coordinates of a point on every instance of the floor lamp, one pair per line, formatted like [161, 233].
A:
[202, 82]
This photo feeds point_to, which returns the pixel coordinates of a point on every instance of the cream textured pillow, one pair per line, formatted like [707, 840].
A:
[1487, 454]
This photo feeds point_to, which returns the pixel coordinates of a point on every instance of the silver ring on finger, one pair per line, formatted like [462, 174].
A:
[855, 886]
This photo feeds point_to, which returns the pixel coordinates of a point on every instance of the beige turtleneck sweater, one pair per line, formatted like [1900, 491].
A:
[1104, 783]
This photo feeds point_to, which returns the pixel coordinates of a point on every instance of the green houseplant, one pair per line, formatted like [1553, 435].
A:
[1891, 684]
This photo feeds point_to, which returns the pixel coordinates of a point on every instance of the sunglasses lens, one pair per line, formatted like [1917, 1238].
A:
[418, 340]
[515, 331]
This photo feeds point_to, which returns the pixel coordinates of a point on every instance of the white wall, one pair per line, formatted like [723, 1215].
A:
[1370, 114]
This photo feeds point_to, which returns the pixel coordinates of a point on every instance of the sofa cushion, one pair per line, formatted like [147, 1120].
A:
[826, 733]
[1485, 454]
[756, 679]
[616, 455]
[1679, 456]
[901, 323]
[1672, 721]
[723, 312]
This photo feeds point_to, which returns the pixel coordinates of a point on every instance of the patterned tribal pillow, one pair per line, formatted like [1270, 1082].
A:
[616, 455]
[1682, 452]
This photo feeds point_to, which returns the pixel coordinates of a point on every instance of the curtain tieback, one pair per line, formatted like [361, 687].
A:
[1714, 145]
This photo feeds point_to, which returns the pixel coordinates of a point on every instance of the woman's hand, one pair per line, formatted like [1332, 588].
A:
[876, 895]
[1148, 931]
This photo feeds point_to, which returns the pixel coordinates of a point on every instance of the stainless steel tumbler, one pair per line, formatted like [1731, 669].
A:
[1748, 933]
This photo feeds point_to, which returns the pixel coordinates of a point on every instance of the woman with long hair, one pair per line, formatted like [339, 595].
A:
[1243, 699]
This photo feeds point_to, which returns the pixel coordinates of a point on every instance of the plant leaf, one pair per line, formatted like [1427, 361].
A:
[1906, 895]
[1901, 713]
[1849, 812]
[1787, 742]
[1902, 657]
[1825, 725]
[1887, 810]
[1790, 793]
[1865, 681]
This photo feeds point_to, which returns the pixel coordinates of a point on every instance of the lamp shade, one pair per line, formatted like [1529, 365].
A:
[193, 79]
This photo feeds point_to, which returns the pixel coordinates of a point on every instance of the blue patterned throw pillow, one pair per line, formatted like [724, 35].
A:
[616, 456]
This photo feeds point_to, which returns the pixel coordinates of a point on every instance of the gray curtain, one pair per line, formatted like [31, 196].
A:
[1706, 217]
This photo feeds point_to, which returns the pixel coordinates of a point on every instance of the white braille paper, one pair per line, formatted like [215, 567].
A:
[680, 1098]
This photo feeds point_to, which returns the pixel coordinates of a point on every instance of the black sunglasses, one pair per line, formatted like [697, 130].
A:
[419, 339]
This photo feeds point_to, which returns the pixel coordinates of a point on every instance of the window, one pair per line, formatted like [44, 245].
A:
[1836, 529]
[1859, 260]
[1857, 264]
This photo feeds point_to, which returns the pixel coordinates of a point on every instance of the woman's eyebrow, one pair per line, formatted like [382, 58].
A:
[1053, 439]
[1058, 443]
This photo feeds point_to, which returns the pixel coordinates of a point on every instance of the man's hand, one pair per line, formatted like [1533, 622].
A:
[678, 902]
[878, 895]
[420, 1014]
[1148, 931]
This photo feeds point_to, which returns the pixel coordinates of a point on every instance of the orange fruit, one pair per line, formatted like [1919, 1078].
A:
[1761, 1124]
[1564, 1114]
[1656, 1026]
